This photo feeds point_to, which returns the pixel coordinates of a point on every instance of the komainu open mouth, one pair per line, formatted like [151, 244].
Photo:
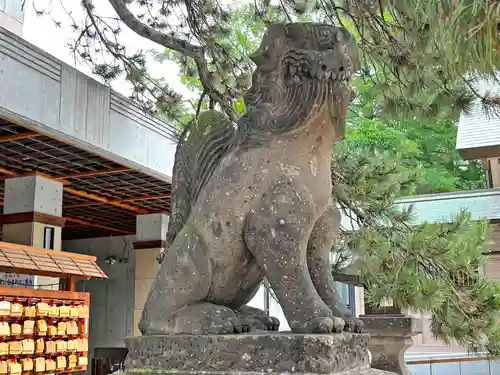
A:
[299, 72]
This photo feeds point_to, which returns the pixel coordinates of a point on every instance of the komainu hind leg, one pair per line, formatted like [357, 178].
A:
[318, 260]
[258, 319]
[175, 303]
[209, 319]
[276, 233]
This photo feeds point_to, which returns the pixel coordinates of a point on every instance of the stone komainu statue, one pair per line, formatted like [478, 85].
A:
[254, 201]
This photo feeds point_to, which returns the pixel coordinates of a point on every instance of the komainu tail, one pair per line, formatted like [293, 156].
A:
[200, 149]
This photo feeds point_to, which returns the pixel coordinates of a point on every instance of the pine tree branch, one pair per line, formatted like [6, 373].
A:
[427, 265]
[197, 53]
[200, 103]
[150, 33]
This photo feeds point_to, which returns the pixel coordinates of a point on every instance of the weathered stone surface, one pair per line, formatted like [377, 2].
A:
[391, 336]
[256, 203]
[357, 371]
[249, 353]
[396, 325]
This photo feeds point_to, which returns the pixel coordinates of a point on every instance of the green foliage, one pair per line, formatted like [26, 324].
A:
[426, 146]
[417, 48]
[430, 267]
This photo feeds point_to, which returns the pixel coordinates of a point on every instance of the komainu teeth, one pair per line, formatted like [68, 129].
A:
[299, 72]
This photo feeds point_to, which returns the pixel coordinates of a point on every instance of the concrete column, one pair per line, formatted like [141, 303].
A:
[32, 215]
[151, 231]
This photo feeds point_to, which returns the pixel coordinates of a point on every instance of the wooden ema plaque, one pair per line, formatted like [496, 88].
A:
[44, 331]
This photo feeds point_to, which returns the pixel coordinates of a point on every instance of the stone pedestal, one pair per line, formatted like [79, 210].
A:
[391, 335]
[252, 353]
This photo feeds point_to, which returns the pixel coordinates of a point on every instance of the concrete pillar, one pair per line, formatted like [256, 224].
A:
[32, 215]
[151, 231]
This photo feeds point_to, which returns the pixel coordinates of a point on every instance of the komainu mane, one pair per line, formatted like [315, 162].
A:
[253, 201]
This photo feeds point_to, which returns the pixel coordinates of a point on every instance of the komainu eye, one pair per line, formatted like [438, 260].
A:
[324, 36]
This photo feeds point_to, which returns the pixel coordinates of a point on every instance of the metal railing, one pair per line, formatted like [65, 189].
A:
[464, 365]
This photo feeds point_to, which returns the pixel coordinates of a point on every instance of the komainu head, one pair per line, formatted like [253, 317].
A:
[301, 68]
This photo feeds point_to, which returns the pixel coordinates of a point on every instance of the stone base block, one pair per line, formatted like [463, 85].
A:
[252, 353]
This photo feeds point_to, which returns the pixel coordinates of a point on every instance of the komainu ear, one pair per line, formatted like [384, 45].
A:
[264, 60]
[353, 52]
[255, 57]
[345, 38]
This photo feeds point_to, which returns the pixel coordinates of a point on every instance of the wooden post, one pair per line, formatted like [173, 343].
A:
[70, 284]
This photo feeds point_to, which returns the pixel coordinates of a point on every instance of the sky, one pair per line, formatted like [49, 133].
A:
[42, 32]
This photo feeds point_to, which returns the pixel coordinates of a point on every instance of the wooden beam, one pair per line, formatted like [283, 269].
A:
[448, 360]
[31, 217]
[147, 197]
[156, 244]
[96, 173]
[83, 194]
[56, 295]
[19, 136]
[77, 221]
[95, 225]
[135, 199]
[103, 200]
[7, 172]
[35, 173]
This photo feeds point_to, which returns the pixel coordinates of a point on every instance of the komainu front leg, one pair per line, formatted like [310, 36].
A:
[318, 261]
[276, 233]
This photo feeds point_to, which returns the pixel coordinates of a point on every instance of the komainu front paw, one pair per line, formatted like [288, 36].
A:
[241, 325]
[263, 323]
[258, 319]
[354, 325]
[315, 325]
[338, 324]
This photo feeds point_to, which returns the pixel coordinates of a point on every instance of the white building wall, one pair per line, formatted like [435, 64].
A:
[67, 105]
[12, 15]
[263, 300]
[111, 300]
[477, 128]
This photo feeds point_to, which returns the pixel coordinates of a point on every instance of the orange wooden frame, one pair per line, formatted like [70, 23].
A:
[58, 296]
[70, 295]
